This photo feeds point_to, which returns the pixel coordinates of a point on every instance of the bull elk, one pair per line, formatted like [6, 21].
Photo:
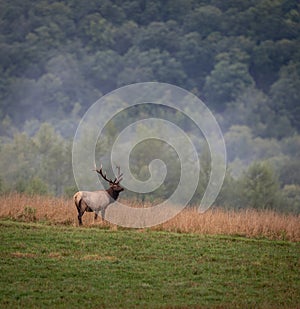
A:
[98, 201]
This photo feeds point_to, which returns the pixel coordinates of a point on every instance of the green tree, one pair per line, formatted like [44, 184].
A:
[285, 93]
[17, 159]
[102, 69]
[239, 143]
[205, 170]
[162, 35]
[35, 186]
[176, 9]
[289, 173]
[197, 58]
[268, 57]
[97, 32]
[150, 10]
[124, 36]
[140, 159]
[250, 109]
[204, 20]
[54, 159]
[152, 65]
[230, 196]
[227, 80]
[260, 187]
[291, 199]
[267, 21]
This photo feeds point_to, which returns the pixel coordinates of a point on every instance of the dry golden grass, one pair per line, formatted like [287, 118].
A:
[249, 223]
[37, 208]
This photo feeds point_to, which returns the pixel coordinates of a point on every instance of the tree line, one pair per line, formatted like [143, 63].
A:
[241, 57]
[41, 164]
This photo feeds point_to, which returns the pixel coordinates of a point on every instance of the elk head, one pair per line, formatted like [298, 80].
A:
[114, 184]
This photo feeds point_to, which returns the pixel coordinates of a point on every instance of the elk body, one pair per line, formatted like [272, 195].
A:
[98, 201]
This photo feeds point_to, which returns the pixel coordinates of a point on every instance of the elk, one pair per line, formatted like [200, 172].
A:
[98, 201]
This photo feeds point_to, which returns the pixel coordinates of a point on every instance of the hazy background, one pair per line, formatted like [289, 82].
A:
[241, 57]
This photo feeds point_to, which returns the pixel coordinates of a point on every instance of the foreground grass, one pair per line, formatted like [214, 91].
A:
[67, 267]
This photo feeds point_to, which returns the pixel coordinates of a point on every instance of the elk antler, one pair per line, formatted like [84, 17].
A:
[119, 177]
[100, 171]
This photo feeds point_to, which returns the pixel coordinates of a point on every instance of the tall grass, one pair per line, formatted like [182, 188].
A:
[249, 222]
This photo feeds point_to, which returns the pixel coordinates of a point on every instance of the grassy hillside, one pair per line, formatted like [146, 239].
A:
[63, 266]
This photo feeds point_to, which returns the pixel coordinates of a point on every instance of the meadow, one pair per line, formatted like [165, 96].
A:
[248, 223]
[193, 261]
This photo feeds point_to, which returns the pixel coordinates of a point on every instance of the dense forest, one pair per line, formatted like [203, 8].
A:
[241, 57]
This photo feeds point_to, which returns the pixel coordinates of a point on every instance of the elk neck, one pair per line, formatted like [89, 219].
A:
[113, 194]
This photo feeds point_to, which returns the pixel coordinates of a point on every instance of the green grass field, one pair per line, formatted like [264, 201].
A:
[69, 267]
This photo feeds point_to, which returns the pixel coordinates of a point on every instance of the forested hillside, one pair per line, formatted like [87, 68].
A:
[241, 57]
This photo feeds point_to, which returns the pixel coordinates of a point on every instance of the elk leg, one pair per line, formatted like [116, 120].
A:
[81, 210]
[79, 219]
[103, 214]
[95, 217]
[80, 214]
